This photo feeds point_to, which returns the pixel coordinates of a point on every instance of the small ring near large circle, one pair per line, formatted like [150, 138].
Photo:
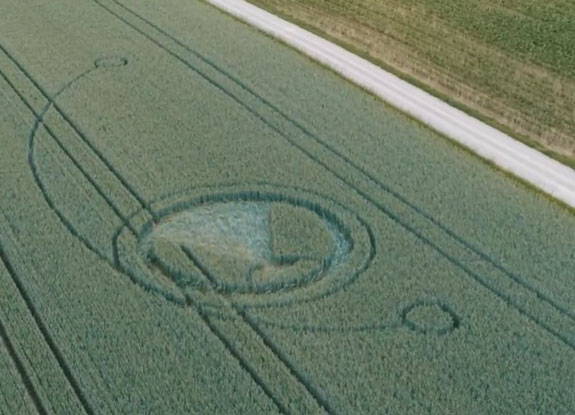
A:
[430, 317]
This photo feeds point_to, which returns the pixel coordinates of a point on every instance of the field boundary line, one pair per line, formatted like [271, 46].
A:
[512, 156]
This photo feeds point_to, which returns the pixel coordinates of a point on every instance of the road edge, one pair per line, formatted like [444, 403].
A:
[510, 155]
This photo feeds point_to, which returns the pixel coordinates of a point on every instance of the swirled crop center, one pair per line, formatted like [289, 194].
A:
[246, 247]
[260, 246]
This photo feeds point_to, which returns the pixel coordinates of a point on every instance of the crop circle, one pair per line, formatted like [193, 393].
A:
[429, 317]
[262, 246]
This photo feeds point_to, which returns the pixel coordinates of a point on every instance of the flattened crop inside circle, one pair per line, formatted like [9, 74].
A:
[111, 62]
[235, 230]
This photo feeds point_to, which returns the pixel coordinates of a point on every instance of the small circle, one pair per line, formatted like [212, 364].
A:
[111, 62]
[430, 317]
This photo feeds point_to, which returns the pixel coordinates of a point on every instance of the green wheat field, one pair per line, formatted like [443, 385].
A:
[196, 219]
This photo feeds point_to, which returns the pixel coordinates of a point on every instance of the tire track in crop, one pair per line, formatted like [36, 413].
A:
[26, 381]
[244, 364]
[280, 355]
[285, 359]
[241, 314]
[142, 202]
[401, 320]
[481, 280]
[39, 120]
[517, 278]
[235, 191]
[46, 334]
[84, 138]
